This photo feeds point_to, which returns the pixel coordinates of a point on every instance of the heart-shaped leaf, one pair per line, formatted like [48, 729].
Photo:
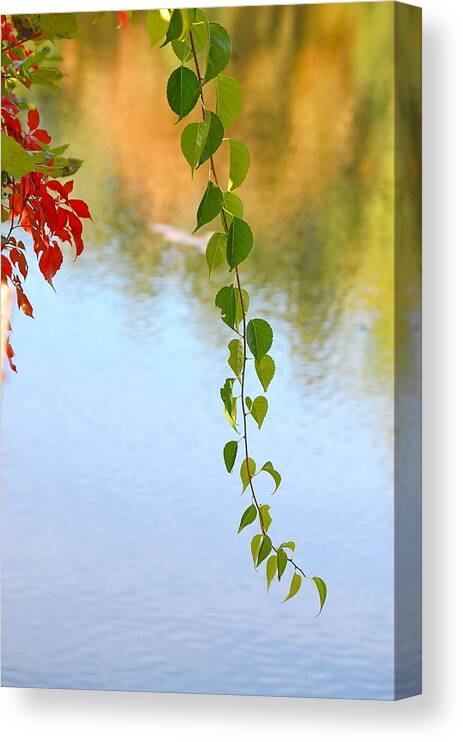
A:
[215, 251]
[271, 569]
[239, 163]
[276, 476]
[200, 31]
[258, 408]
[182, 91]
[157, 23]
[259, 335]
[282, 561]
[248, 517]
[255, 546]
[239, 242]
[265, 370]
[229, 454]
[264, 550]
[288, 545]
[227, 301]
[322, 591]
[219, 51]
[233, 204]
[229, 99]
[294, 586]
[210, 206]
[214, 136]
[236, 357]
[265, 516]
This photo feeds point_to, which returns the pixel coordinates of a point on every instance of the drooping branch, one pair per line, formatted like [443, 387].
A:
[187, 31]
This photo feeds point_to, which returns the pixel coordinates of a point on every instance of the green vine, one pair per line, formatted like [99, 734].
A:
[191, 34]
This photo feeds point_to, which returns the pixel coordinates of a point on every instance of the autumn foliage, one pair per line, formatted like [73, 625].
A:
[35, 198]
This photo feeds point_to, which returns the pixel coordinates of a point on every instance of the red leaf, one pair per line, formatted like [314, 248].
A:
[76, 229]
[49, 208]
[23, 302]
[80, 207]
[19, 259]
[33, 118]
[42, 136]
[55, 185]
[68, 187]
[6, 267]
[50, 262]
[10, 354]
[62, 217]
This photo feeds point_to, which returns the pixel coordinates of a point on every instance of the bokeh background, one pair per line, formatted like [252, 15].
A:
[121, 564]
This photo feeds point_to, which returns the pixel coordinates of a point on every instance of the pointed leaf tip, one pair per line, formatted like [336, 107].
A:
[322, 591]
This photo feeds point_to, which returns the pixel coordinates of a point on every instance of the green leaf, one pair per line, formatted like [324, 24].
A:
[229, 99]
[265, 516]
[229, 302]
[46, 76]
[239, 242]
[215, 251]
[288, 545]
[248, 517]
[63, 167]
[259, 335]
[265, 549]
[255, 545]
[239, 163]
[236, 357]
[210, 206]
[226, 393]
[58, 26]
[276, 476]
[175, 29]
[192, 143]
[182, 91]
[201, 141]
[322, 591]
[271, 569]
[226, 300]
[248, 464]
[229, 454]
[200, 32]
[258, 409]
[294, 587]
[213, 138]
[158, 23]
[282, 560]
[231, 416]
[233, 204]
[57, 151]
[229, 401]
[265, 370]
[219, 51]
[17, 161]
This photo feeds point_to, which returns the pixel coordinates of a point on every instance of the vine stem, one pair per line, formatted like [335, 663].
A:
[243, 311]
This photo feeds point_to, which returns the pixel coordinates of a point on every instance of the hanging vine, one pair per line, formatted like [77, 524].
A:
[192, 35]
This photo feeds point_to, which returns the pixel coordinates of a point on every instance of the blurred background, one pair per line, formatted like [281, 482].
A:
[122, 567]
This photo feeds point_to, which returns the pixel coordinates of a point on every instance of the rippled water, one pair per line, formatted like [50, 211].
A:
[121, 564]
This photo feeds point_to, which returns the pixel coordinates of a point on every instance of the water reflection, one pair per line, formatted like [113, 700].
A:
[318, 119]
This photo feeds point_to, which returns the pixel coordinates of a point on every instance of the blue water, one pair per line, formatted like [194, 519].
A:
[121, 563]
